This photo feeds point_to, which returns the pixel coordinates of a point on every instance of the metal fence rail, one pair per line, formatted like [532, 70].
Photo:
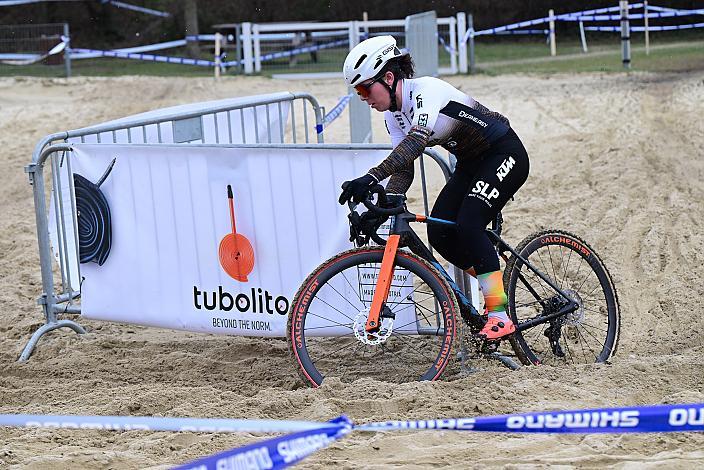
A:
[30, 38]
[321, 47]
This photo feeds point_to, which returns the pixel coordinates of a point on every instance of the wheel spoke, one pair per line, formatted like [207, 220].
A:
[401, 357]
[343, 297]
[567, 265]
[596, 356]
[332, 322]
[573, 274]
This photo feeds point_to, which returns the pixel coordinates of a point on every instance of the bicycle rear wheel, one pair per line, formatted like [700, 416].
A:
[589, 334]
[328, 314]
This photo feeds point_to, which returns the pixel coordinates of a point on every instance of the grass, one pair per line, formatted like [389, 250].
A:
[669, 56]
[672, 52]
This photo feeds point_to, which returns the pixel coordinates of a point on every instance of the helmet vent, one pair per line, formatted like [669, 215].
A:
[356, 77]
[359, 62]
[378, 63]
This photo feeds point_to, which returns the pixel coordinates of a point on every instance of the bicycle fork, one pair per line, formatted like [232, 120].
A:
[383, 284]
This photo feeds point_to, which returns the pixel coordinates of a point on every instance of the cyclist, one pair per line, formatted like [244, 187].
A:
[491, 161]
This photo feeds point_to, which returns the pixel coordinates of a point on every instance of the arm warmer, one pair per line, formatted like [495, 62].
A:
[399, 163]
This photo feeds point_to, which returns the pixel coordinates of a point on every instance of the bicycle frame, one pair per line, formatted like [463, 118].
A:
[401, 233]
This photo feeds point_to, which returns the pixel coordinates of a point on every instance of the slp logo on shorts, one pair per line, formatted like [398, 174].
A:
[482, 189]
[423, 120]
[503, 170]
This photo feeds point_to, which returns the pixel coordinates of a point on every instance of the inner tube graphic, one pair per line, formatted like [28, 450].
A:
[93, 213]
[235, 252]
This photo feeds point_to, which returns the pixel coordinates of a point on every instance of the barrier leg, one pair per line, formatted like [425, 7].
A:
[48, 300]
[46, 328]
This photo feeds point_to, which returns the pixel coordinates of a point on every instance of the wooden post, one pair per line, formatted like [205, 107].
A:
[257, 48]
[453, 45]
[67, 51]
[470, 27]
[461, 43]
[553, 46]
[583, 36]
[625, 35]
[247, 47]
[218, 39]
[647, 31]
[353, 33]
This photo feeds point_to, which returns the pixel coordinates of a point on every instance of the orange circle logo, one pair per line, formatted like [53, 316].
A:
[235, 251]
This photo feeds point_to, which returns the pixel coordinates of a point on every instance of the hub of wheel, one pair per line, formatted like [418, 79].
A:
[363, 336]
[576, 317]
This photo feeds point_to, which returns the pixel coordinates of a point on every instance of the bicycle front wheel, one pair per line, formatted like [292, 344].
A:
[329, 313]
[590, 333]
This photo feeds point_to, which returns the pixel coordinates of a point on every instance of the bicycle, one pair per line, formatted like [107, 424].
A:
[391, 311]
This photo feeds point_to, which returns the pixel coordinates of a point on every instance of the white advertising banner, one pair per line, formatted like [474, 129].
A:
[254, 123]
[215, 239]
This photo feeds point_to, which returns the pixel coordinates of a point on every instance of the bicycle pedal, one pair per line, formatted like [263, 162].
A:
[490, 346]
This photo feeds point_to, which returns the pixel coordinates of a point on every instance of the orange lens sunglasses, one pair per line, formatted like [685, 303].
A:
[365, 90]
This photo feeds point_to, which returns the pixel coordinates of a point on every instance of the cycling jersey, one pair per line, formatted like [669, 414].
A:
[433, 112]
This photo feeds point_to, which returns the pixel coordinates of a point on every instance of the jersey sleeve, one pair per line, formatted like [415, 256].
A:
[426, 106]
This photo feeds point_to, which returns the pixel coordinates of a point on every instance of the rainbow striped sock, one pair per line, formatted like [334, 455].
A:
[492, 285]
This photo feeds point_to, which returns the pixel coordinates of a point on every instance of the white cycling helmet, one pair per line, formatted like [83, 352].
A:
[367, 58]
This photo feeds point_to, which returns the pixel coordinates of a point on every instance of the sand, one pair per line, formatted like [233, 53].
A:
[617, 159]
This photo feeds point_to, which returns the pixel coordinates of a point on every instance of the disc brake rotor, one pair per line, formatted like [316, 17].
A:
[363, 336]
[574, 318]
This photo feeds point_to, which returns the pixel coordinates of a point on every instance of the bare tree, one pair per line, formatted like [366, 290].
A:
[190, 11]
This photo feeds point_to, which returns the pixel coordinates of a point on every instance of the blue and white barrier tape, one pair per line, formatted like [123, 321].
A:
[508, 27]
[205, 37]
[666, 9]
[263, 37]
[27, 59]
[640, 29]
[524, 31]
[450, 50]
[311, 436]
[303, 50]
[147, 423]
[9, 3]
[85, 53]
[637, 16]
[92, 53]
[337, 110]
[598, 11]
[656, 418]
[125, 53]
[525, 24]
[280, 452]
[127, 6]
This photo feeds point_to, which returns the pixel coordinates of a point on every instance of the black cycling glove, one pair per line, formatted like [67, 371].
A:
[393, 200]
[357, 190]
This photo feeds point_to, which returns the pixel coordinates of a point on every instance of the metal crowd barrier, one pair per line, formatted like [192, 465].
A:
[61, 297]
